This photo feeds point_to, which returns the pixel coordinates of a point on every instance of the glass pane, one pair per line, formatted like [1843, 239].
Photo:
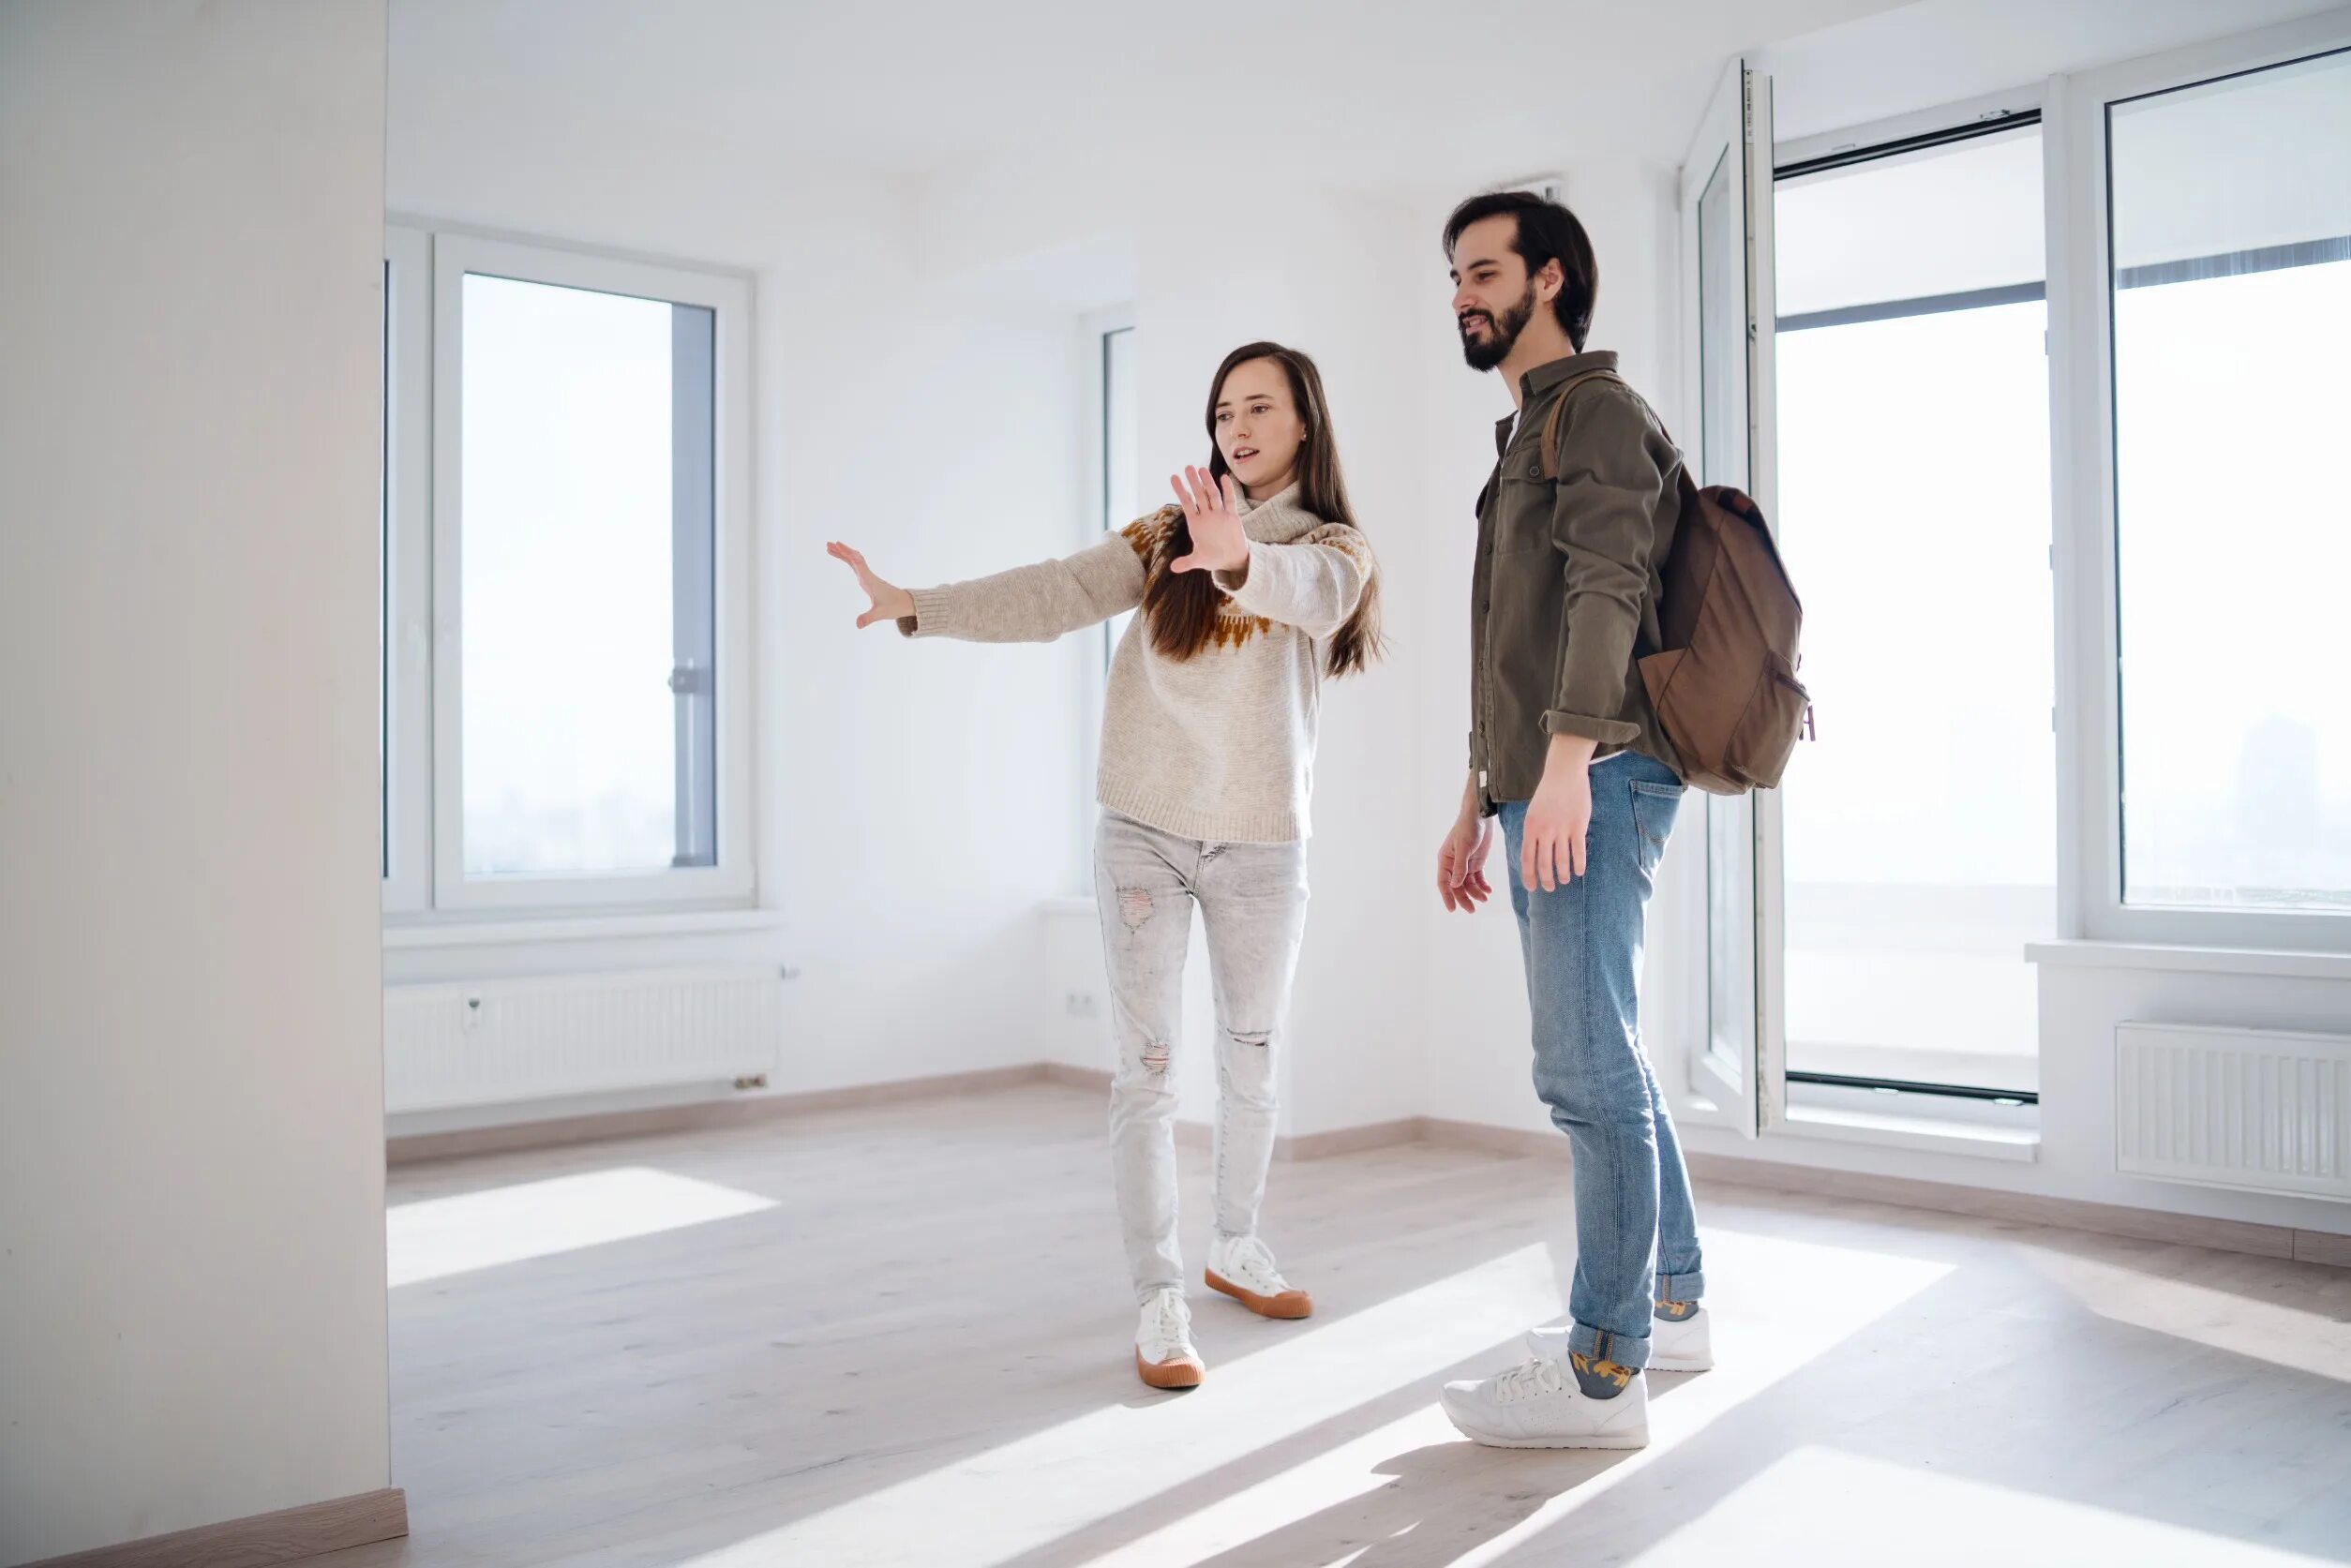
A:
[1919, 831]
[1731, 935]
[2231, 234]
[1961, 219]
[586, 487]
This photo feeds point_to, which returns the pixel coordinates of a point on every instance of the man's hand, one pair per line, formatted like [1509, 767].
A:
[1461, 862]
[1559, 818]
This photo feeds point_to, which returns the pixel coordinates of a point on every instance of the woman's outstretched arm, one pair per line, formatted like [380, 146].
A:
[1027, 603]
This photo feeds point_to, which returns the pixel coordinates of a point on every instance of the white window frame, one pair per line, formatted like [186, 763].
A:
[408, 573]
[1093, 440]
[1744, 1092]
[2081, 343]
[428, 862]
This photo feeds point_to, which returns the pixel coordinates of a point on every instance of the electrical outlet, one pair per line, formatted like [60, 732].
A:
[1079, 1004]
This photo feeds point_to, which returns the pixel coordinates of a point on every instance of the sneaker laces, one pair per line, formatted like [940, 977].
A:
[1170, 1321]
[1533, 1377]
[1253, 1261]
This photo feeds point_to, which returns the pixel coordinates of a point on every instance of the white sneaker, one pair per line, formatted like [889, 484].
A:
[1687, 1346]
[1163, 1353]
[1538, 1405]
[1243, 1268]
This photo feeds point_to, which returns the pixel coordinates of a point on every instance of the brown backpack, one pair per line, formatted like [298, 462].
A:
[1723, 680]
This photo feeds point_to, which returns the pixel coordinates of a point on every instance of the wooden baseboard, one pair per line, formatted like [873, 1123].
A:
[288, 1535]
[697, 1116]
[1980, 1203]
[1348, 1140]
[1312, 1145]
[1542, 1144]
[2224, 1235]
[2322, 1247]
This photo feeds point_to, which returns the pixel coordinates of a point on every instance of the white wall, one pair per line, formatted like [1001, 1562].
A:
[913, 799]
[191, 1158]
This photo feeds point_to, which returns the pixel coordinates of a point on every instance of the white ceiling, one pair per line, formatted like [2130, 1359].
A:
[1363, 91]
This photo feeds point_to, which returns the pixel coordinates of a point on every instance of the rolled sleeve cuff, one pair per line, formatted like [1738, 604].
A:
[1607, 732]
[931, 617]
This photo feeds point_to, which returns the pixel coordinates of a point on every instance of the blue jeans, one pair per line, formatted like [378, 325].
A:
[1636, 1232]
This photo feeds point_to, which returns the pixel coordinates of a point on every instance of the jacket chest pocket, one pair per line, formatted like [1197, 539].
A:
[1524, 499]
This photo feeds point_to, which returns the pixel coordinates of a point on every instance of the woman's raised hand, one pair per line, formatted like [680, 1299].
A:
[890, 602]
[1214, 516]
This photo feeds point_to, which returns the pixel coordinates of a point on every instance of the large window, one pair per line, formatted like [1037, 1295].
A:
[585, 570]
[2042, 392]
[1920, 852]
[2230, 282]
[575, 572]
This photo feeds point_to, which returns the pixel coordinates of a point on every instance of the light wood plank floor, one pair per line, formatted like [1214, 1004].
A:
[899, 1335]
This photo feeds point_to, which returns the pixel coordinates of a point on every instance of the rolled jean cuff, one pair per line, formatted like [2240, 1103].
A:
[1682, 1287]
[1598, 1344]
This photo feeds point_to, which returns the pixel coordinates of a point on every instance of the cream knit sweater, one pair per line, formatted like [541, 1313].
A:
[1219, 747]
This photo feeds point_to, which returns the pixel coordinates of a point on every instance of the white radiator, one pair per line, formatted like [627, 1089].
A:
[488, 1042]
[2252, 1108]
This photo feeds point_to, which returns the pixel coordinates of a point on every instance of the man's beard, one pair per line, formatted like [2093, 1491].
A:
[1494, 350]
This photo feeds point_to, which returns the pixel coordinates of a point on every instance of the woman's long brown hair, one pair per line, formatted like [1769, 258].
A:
[1180, 607]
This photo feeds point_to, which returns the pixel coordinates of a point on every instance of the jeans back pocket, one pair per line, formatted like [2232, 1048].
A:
[1654, 808]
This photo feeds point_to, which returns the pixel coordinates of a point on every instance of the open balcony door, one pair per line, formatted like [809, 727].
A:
[1738, 1057]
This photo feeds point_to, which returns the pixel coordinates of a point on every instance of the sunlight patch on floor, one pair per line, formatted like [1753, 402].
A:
[1031, 1492]
[2297, 1339]
[1793, 1301]
[436, 1237]
[1820, 1506]
[1780, 1304]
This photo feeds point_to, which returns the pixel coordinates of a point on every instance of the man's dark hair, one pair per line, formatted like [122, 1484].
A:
[1546, 232]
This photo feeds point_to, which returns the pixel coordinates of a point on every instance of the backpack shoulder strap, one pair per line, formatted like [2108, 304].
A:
[1549, 451]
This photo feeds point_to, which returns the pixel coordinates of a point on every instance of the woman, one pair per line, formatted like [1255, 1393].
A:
[1252, 587]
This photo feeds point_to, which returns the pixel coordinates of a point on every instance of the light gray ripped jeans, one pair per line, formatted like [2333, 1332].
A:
[1252, 900]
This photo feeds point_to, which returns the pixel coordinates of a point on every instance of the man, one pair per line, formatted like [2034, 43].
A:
[1565, 750]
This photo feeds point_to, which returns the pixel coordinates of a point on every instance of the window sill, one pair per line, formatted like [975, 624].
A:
[2018, 1145]
[2177, 959]
[483, 934]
